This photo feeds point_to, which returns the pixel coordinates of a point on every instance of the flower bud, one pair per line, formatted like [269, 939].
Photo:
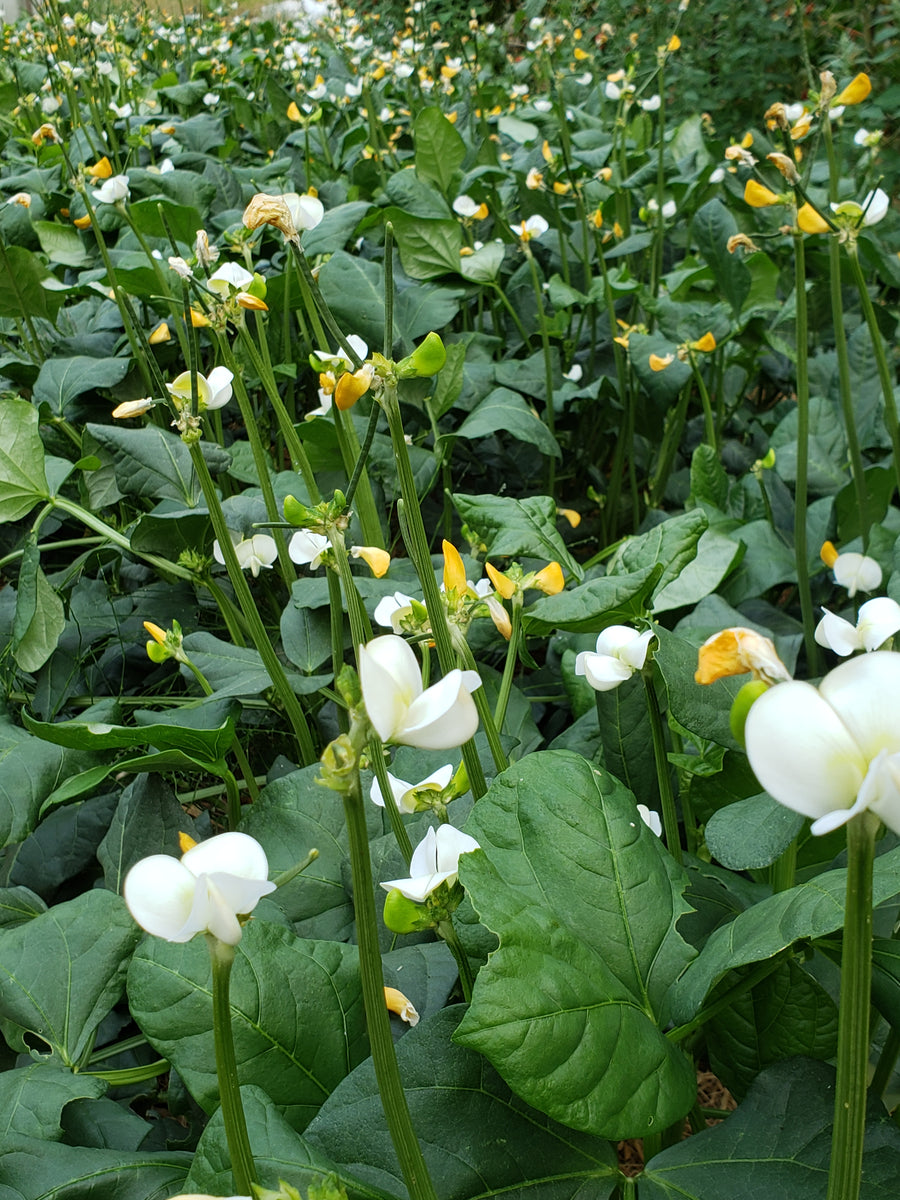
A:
[427, 359]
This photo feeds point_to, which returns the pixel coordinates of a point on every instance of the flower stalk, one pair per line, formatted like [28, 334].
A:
[663, 771]
[243, 1167]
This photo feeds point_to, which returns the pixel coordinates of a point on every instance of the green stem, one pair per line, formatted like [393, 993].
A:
[746, 983]
[663, 770]
[243, 1167]
[233, 800]
[884, 370]
[393, 1097]
[512, 658]
[783, 870]
[236, 747]
[709, 420]
[416, 541]
[845, 1167]
[447, 932]
[801, 554]
[549, 414]
[845, 389]
[467, 662]
[118, 539]
[260, 636]
[886, 1062]
[352, 454]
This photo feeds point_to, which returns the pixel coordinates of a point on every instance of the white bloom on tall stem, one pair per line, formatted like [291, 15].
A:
[205, 891]
[230, 277]
[438, 718]
[832, 752]
[620, 652]
[434, 861]
[213, 390]
[112, 190]
[879, 619]
[307, 548]
[853, 571]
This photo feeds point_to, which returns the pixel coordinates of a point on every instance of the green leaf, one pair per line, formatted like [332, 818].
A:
[30, 771]
[709, 482]
[518, 130]
[517, 527]
[810, 910]
[281, 989]
[584, 900]
[716, 555]
[766, 562]
[279, 1152]
[786, 1014]
[40, 617]
[18, 905]
[449, 382]
[778, 1143]
[306, 636]
[200, 743]
[183, 220]
[62, 379]
[454, 1097]
[34, 1167]
[712, 226]
[147, 820]
[827, 447]
[752, 833]
[703, 709]
[428, 248]
[419, 310]
[484, 265]
[671, 544]
[439, 148]
[335, 229]
[353, 288]
[32, 1098]
[61, 243]
[61, 973]
[625, 735]
[504, 410]
[22, 290]
[147, 462]
[23, 481]
[238, 670]
[591, 607]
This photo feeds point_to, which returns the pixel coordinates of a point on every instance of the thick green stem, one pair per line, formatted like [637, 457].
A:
[663, 770]
[845, 1167]
[258, 633]
[242, 1166]
[512, 657]
[783, 870]
[393, 1097]
[844, 385]
[801, 554]
[447, 932]
[549, 414]
[467, 662]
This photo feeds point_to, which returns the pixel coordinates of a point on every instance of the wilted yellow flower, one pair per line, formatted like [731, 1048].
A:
[740, 239]
[133, 408]
[534, 179]
[785, 165]
[736, 651]
[270, 210]
[46, 132]
[674, 43]
[160, 334]
[562, 189]
[21, 198]
[660, 362]
[398, 1003]
[546, 152]
[801, 127]
[101, 169]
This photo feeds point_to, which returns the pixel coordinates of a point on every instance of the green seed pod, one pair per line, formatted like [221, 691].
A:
[741, 706]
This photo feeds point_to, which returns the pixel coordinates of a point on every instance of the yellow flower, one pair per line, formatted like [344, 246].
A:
[550, 580]
[855, 91]
[378, 560]
[160, 334]
[706, 344]
[736, 651]
[352, 385]
[674, 43]
[398, 1003]
[248, 300]
[573, 517]
[810, 221]
[198, 320]
[758, 195]
[133, 408]
[293, 112]
[502, 583]
[659, 363]
[454, 571]
[101, 169]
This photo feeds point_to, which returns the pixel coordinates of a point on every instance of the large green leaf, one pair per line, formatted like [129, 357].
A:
[584, 900]
[751, 833]
[810, 910]
[199, 743]
[712, 226]
[32, 1098]
[279, 1152]
[238, 670]
[61, 973]
[504, 410]
[778, 1143]
[146, 462]
[32, 1167]
[60, 380]
[40, 616]
[296, 1010]
[30, 771]
[524, 528]
[590, 607]
[62, 243]
[672, 544]
[22, 286]
[478, 1139]
[786, 1014]
[147, 820]
[354, 290]
[22, 479]
[428, 247]
[439, 148]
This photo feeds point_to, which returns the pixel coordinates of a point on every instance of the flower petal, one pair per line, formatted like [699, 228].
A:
[159, 892]
[865, 694]
[390, 680]
[234, 853]
[444, 716]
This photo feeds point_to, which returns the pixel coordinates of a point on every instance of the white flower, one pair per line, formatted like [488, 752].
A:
[650, 819]
[230, 277]
[834, 752]
[112, 190]
[870, 138]
[856, 573]
[207, 889]
[307, 548]
[180, 267]
[402, 791]
[878, 620]
[122, 110]
[875, 206]
[435, 861]
[534, 227]
[651, 104]
[390, 610]
[438, 718]
[213, 390]
[306, 211]
[612, 91]
[717, 175]
[253, 554]
[620, 652]
[340, 361]
[574, 373]
[793, 112]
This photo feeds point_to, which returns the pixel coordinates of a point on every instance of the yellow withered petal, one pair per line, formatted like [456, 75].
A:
[160, 334]
[502, 583]
[454, 571]
[706, 344]
[550, 580]
[737, 651]
[198, 320]
[660, 362]
[82, 222]
[758, 195]
[185, 842]
[248, 300]
[398, 1003]
[674, 43]
[293, 112]
[855, 91]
